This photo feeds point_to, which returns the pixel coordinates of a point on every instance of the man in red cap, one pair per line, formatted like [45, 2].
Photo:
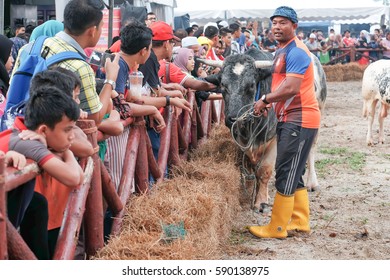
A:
[162, 48]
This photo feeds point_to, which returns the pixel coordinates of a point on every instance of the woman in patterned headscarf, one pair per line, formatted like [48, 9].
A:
[6, 62]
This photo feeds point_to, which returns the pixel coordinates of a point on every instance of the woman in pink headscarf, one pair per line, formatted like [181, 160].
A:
[186, 62]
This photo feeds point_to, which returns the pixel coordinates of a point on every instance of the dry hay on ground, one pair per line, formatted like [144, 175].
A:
[203, 193]
[344, 72]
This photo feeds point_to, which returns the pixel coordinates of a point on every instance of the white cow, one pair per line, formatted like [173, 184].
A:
[376, 87]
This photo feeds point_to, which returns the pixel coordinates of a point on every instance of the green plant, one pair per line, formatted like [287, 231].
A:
[340, 156]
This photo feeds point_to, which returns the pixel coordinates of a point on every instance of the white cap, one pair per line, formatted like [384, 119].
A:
[210, 24]
[223, 23]
[312, 36]
[189, 41]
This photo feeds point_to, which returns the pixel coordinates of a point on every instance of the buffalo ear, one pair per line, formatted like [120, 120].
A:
[214, 79]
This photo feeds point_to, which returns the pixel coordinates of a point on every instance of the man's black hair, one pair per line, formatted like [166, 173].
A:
[134, 37]
[29, 28]
[211, 31]
[198, 32]
[18, 26]
[224, 31]
[72, 76]
[149, 14]
[59, 77]
[189, 30]
[47, 106]
[180, 33]
[79, 15]
[234, 27]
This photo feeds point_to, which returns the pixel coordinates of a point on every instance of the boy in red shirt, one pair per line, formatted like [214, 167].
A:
[52, 115]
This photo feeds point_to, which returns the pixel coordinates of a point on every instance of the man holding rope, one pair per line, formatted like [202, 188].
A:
[293, 98]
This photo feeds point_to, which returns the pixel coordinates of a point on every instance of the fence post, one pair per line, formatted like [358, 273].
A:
[3, 211]
[183, 144]
[109, 192]
[165, 142]
[17, 248]
[153, 166]
[353, 53]
[93, 217]
[173, 156]
[141, 175]
[188, 122]
[126, 181]
[206, 117]
[73, 216]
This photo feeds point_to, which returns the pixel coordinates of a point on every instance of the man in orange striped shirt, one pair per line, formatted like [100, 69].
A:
[294, 101]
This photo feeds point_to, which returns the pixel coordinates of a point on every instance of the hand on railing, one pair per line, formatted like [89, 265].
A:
[181, 103]
[15, 159]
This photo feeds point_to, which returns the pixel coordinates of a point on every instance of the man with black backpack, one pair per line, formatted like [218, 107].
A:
[82, 29]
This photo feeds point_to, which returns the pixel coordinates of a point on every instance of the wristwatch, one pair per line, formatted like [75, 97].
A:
[264, 99]
[110, 82]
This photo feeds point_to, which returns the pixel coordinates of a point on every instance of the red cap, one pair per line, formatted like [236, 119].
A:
[162, 31]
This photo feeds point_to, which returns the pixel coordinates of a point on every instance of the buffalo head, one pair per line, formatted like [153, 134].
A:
[240, 77]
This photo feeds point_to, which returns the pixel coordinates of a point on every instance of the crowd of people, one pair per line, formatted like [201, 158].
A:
[75, 89]
[327, 49]
[237, 37]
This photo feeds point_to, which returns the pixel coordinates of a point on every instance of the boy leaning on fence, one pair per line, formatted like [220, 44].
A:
[52, 115]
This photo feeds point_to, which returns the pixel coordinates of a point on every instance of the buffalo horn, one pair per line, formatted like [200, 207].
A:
[214, 63]
[263, 63]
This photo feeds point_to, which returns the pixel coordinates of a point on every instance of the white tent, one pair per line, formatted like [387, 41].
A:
[366, 15]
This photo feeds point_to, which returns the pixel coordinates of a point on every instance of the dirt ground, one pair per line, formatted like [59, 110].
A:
[350, 212]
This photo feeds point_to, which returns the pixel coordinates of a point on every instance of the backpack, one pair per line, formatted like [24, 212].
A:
[33, 62]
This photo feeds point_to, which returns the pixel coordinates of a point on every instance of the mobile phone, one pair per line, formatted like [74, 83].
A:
[99, 58]
[105, 56]
[95, 58]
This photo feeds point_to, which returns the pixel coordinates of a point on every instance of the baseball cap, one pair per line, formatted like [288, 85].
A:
[287, 12]
[312, 36]
[223, 23]
[210, 23]
[189, 41]
[162, 31]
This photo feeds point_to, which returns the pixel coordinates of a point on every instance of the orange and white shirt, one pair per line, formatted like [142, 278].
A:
[294, 60]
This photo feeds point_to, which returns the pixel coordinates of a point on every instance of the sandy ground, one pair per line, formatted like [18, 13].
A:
[350, 212]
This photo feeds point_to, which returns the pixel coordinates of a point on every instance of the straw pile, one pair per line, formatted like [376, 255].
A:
[344, 72]
[202, 194]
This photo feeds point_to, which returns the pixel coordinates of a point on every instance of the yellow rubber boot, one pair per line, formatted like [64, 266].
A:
[301, 213]
[281, 215]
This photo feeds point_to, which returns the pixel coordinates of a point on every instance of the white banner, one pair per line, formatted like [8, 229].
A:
[203, 269]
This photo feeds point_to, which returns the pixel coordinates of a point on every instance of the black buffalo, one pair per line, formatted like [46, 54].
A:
[242, 78]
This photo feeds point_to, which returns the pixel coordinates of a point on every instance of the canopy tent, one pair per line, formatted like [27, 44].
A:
[366, 15]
